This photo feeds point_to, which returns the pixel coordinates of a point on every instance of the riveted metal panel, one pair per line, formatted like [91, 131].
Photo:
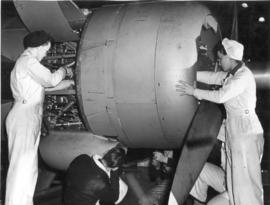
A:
[141, 125]
[95, 67]
[92, 72]
[134, 75]
[135, 54]
[101, 124]
[176, 54]
[116, 121]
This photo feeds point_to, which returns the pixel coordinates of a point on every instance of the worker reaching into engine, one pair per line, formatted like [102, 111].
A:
[28, 81]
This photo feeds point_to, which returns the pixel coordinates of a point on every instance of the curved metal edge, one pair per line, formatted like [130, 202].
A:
[36, 18]
[78, 79]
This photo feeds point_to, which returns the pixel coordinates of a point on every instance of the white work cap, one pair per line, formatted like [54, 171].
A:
[233, 49]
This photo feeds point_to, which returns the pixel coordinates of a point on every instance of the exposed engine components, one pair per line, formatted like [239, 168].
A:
[61, 113]
[60, 107]
[60, 54]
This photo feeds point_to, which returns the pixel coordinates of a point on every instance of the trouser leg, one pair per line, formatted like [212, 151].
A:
[21, 182]
[22, 174]
[244, 175]
[221, 199]
[211, 175]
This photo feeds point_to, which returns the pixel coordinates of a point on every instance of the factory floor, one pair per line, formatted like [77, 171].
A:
[52, 196]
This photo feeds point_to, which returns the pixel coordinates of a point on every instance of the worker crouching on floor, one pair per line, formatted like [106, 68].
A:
[28, 81]
[95, 180]
[244, 134]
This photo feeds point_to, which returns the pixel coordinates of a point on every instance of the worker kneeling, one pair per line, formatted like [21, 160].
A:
[95, 180]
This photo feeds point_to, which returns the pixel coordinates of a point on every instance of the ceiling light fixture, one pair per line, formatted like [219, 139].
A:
[261, 19]
[244, 5]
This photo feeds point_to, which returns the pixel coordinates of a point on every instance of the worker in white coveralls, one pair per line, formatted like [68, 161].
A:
[28, 81]
[244, 133]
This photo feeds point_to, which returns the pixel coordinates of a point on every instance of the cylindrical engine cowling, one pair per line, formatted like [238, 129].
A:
[129, 60]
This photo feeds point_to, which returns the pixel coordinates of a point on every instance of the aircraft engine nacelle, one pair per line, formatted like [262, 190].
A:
[129, 60]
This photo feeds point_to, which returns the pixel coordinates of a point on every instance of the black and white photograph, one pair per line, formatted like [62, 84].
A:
[147, 102]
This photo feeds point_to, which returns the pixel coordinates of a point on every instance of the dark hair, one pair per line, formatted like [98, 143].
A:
[36, 38]
[219, 47]
[115, 157]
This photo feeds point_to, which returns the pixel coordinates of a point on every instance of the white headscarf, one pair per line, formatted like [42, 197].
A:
[233, 48]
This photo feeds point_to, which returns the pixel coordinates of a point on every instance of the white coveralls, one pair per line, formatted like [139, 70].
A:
[244, 133]
[28, 79]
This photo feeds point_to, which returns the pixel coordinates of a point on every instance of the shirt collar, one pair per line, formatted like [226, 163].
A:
[97, 159]
[236, 68]
[29, 52]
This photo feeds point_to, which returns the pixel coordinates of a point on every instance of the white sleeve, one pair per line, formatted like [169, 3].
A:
[232, 88]
[43, 75]
[123, 188]
[210, 77]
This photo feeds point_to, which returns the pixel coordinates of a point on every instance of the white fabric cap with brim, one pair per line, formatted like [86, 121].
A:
[233, 48]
